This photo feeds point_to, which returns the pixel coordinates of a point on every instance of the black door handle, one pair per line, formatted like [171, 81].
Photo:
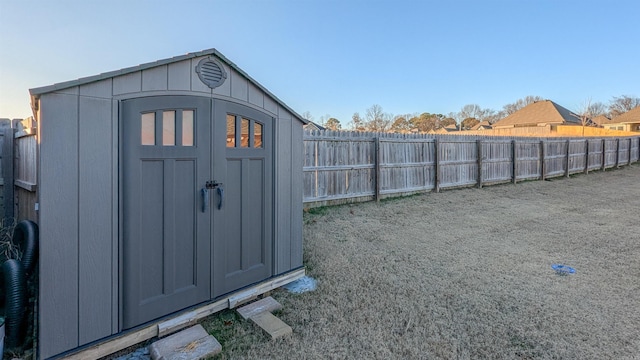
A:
[220, 191]
[205, 199]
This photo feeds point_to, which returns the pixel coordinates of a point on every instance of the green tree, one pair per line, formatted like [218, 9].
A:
[447, 121]
[401, 124]
[469, 122]
[332, 124]
[427, 122]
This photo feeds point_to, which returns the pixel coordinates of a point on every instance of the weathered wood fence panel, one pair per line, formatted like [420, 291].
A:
[338, 167]
[496, 162]
[577, 156]
[25, 177]
[610, 153]
[353, 166]
[406, 166]
[458, 163]
[635, 149]
[18, 184]
[527, 157]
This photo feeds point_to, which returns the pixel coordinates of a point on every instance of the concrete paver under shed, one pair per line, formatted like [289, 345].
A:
[190, 344]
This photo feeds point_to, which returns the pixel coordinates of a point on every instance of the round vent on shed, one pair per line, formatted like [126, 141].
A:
[211, 72]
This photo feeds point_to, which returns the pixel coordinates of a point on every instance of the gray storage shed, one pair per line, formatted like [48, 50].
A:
[162, 187]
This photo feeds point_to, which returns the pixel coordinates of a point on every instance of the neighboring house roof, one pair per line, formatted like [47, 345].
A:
[631, 116]
[601, 120]
[313, 126]
[35, 92]
[539, 113]
[446, 129]
[482, 125]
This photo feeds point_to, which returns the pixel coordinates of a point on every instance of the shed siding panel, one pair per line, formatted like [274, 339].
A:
[179, 75]
[256, 96]
[115, 216]
[59, 219]
[225, 88]
[68, 91]
[283, 196]
[296, 193]
[196, 84]
[270, 105]
[127, 84]
[94, 192]
[154, 79]
[239, 86]
[101, 89]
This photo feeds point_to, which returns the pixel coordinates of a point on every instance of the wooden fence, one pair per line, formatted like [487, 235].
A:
[18, 156]
[350, 166]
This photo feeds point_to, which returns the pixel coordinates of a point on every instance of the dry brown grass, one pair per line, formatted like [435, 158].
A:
[466, 274]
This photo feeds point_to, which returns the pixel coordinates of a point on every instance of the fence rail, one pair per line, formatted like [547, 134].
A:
[351, 166]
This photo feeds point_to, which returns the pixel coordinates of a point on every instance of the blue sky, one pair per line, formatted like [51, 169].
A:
[340, 57]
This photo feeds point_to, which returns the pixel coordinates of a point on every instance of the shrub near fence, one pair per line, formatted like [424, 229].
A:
[355, 166]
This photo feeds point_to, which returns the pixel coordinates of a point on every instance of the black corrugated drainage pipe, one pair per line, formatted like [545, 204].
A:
[15, 289]
[25, 237]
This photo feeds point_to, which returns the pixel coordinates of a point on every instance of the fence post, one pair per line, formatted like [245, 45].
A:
[629, 159]
[566, 170]
[7, 174]
[377, 167]
[436, 145]
[604, 154]
[617, 153]
[586, 157]
[479, 145]
[514, 158]
[542, 167]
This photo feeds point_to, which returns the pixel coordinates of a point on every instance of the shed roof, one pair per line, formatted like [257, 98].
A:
[631, 116]
[35, 92]
[539, 112]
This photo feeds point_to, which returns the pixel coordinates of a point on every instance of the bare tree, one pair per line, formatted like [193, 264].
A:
[357, 123]
[621, 104]
[585, 113]
[520, 103]
[474, 111]
[307, 115]
[377, 119]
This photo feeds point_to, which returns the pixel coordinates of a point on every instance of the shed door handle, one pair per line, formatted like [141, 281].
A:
[220, 191]
[205, 199]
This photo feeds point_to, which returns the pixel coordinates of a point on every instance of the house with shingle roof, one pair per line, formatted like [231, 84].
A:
[539, 113]
[601, 120]
[629, 121]
[482, 125]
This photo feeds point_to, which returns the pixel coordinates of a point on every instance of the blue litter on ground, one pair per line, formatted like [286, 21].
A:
[563, 269]
[301, 285]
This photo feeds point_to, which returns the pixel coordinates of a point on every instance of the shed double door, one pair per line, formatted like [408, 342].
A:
[197, 194]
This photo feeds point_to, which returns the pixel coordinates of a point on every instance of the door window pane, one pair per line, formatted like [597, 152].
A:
[187, 128]
[168, 128]
[257, 135]
[148, 129]
[231, 131]
[244, 134]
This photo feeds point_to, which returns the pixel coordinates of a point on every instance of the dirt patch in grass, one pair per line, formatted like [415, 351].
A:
[467, 274]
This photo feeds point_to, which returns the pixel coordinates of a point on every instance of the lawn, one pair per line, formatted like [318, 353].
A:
[466, 274]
